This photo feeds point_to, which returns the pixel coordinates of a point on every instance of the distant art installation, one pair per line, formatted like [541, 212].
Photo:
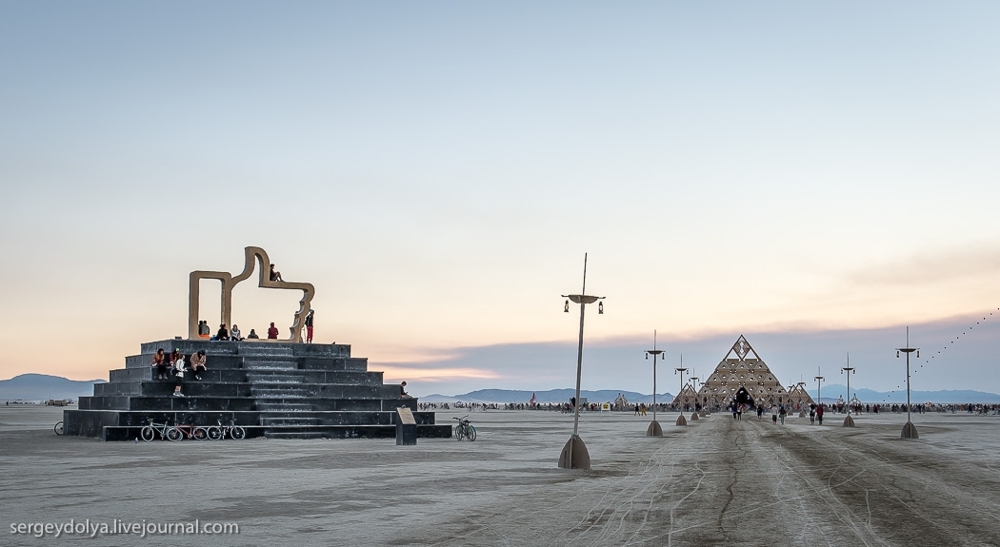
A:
[742, 376]
[265, 281]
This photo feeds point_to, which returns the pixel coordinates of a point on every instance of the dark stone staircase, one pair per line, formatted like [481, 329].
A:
[276, 390]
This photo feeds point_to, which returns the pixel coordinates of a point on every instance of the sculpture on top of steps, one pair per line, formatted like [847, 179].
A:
[253, 254]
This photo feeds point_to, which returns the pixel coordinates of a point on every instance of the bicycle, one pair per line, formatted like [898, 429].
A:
[58, 428]
[464, 429]
[189, 431]
[218, 432]
[166, 431]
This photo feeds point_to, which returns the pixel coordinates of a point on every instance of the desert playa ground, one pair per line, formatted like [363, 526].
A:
[714, 482]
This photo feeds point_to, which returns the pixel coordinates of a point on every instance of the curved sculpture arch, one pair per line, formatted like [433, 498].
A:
[252, 254]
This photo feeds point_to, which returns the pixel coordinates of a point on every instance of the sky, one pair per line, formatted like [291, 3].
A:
[814, 176]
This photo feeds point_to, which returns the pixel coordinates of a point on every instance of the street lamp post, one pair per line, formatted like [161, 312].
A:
[848, 421]
[694, 386]
[680, 419]
[575, 455]
[909, 430]
[654, 429]
[819, 393]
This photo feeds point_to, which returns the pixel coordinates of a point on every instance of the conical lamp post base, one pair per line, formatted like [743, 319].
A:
[802, 414]
[574, 454]
[849, 422]
[694, 416]
[654, 429]
[681, 420]
[909, 431]
[702, 413]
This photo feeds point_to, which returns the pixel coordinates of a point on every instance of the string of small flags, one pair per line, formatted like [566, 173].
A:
[927, 361]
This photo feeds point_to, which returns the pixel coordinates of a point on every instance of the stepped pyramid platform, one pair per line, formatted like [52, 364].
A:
[273, 389]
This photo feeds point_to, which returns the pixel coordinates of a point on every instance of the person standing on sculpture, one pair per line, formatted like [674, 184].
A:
[309, 326]
[178, 373]
[272, 332]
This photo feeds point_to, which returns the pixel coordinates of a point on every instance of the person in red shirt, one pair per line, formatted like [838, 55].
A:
[272, 333]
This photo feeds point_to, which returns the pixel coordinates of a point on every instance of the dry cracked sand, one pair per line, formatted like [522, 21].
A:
[714, 482]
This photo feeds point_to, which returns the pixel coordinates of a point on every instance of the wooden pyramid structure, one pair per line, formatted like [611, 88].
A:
[687, 398]
[742, 375]
[799, 398]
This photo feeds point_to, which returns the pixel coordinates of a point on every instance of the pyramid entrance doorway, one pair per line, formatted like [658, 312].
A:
[743, 397]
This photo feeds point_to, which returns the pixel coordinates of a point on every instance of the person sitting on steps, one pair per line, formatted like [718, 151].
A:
[160, 362]
[235, 335]
[253, 335]
[198, 364]
[223, 334]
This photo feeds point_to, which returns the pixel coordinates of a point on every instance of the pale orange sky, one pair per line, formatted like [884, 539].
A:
[437, 172]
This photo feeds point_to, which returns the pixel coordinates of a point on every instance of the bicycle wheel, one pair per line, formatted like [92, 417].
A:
[58, 428]
[471, 433]
[147, 434]
[199, 434]
[459, 432]
[174, 434]
[238, 432]
[215, 433]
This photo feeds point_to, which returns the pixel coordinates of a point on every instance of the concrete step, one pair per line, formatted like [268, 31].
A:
[270, 364]
[265, 349]
[274, 378]
[288, 421]
[280, 406]
[284, 392]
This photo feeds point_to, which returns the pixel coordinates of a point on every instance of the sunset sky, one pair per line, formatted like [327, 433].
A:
[813, 176]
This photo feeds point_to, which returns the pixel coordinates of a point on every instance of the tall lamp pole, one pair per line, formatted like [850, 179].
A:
[819, 392]
[909, 430]
[680, 419]
[654, 429]
[575, 455]
[694, 386]
[848, 421]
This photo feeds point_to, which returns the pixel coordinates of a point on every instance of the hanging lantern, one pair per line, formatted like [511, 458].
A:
[566, 307]
[600, 308]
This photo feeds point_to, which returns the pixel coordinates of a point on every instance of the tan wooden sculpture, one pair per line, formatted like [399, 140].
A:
[228, 282]
[742, 370]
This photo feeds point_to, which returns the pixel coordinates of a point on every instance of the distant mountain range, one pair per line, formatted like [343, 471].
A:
[550, 396]
[834, 391]
[830, 394]
[42, 387]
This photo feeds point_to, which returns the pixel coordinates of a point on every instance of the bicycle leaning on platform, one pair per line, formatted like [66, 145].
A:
[190, 431]
[464, 429]
[219, 432]
[166, 431]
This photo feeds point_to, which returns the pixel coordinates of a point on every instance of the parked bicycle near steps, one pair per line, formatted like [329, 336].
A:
[465, 429]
